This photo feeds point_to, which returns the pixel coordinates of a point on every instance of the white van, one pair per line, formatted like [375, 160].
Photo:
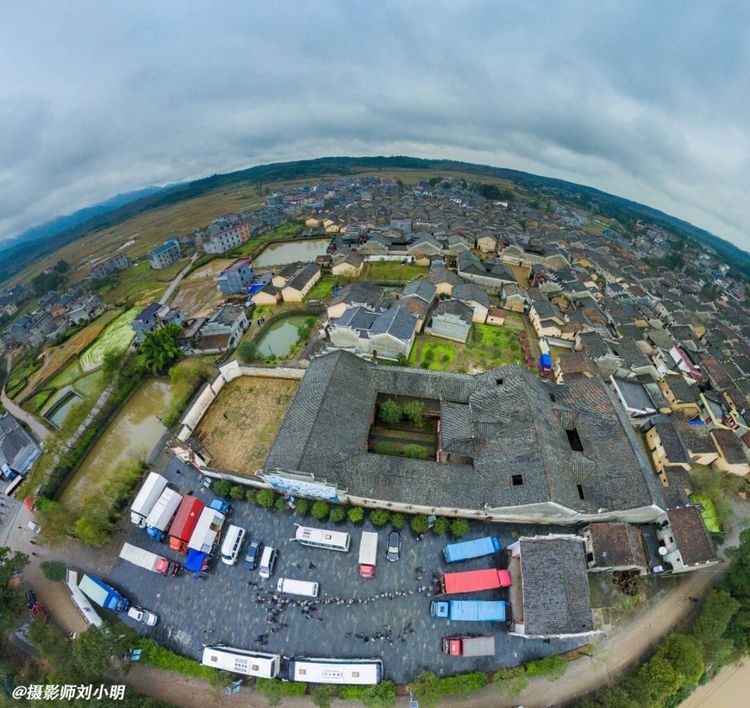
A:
[230, 548]
[267, 562]
[305, 588]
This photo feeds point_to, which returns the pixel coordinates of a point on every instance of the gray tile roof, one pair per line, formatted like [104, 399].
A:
[510, 427]
[470, 292]
[422, 288]
[617, 545]
[361, 292]
[556, 594]
[395, 321]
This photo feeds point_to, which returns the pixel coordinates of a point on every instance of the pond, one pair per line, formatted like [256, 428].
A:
[290, 251]
[280, 336]
[60, 408]
[132, 434]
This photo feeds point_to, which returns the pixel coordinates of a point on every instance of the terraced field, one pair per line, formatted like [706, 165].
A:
[115, 338]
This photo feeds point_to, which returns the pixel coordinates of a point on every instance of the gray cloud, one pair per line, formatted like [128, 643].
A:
[649, 101]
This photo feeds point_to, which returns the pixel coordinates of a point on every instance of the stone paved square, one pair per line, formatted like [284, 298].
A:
[221, 607]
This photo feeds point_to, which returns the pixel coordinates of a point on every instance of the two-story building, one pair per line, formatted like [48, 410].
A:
[162, 256]
[236, 278]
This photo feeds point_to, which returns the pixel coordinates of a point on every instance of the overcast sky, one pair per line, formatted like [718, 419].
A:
[648, 100]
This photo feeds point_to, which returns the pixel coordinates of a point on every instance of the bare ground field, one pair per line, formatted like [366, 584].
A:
[198, 294]
[240, 425]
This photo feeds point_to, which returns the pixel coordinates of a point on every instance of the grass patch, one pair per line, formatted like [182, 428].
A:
[323, 288]
[115, 338]
[436, 354]
[710, 514]
[392, 271]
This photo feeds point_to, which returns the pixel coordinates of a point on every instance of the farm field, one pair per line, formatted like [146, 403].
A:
[392, 270]
[55, 358]
[486, 348]
[140, 283]
[198, 294]
[323, 288]
[115, 338]
[240, 425]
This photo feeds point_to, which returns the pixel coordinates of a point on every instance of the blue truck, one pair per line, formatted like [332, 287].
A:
[465, 550]
[102, 594]
[469, 610]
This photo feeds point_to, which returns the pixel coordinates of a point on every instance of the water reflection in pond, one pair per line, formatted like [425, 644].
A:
[291, 251]
[280, 336]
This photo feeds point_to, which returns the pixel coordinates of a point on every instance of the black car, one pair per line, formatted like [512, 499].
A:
[252, 556]
[393, 550]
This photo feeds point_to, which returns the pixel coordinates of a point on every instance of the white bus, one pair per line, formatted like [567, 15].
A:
[241, 661]
[306, 588]
[323, 538]
[342, 671]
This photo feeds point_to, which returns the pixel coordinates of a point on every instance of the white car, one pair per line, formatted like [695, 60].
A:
[141, 615]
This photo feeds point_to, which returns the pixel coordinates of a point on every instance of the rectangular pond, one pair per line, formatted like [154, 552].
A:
[290, 251]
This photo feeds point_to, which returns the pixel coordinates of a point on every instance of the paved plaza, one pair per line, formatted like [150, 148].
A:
[387, 616]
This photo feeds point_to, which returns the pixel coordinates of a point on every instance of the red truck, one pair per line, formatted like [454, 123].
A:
[469, 646]
[474, 581]
[184, 523]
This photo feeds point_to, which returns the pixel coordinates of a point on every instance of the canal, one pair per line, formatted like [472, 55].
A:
[290, 251]
[131, 435]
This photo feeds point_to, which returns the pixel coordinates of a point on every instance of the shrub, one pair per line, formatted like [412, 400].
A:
[415, 452]
[274, 690]
[379, 517]
[53, 570]
[382, 695]
[428, 354]
[426, 690]
[414, 411]
[398, 521]
[553, 667]
[161, 658]
[251, 494]
[390, 412]
[302, 506]
[385, 448]
[337, 515]
[440, 526]
[265, 498]
[463, 684]
[510, 682]
[322, 695]
[419, 523]
[459, 528]
[222, 488]
[319, 510]
[356, 514]
[281, 504]
[247, 351]
[237, 492]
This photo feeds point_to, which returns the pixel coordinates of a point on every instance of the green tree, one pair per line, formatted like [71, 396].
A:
[415, 452]
[112, 363]
[356, 514]
[414, 411]
[11, 594]
[398, 521]
[319, 510]
[426, 689]
[302, 507]
[274, 690]
[440, 526]
[62, 266]
[381, 695]
[379, 517]
[459, 528]
[237, 492]
[251, 494]
[616, 697]
[53, 570]
[683, 654]
[99, 650]
[337, 515]
[390, 412]
[265, 498]
[55, 649]
[653, 681]
[385, 448]
[281, 504]
[419, 523]
[94, 526]
[247, 351]
[160, 348]
[222, 488]
[716, 612]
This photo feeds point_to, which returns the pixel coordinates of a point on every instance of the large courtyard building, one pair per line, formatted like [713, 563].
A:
[507, 446]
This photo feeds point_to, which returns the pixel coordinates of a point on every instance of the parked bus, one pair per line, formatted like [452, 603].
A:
[241, 661]
[466, 550]
[340, 671]
[323, 538]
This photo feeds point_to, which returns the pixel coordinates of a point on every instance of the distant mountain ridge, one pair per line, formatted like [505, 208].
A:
[57, 232]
